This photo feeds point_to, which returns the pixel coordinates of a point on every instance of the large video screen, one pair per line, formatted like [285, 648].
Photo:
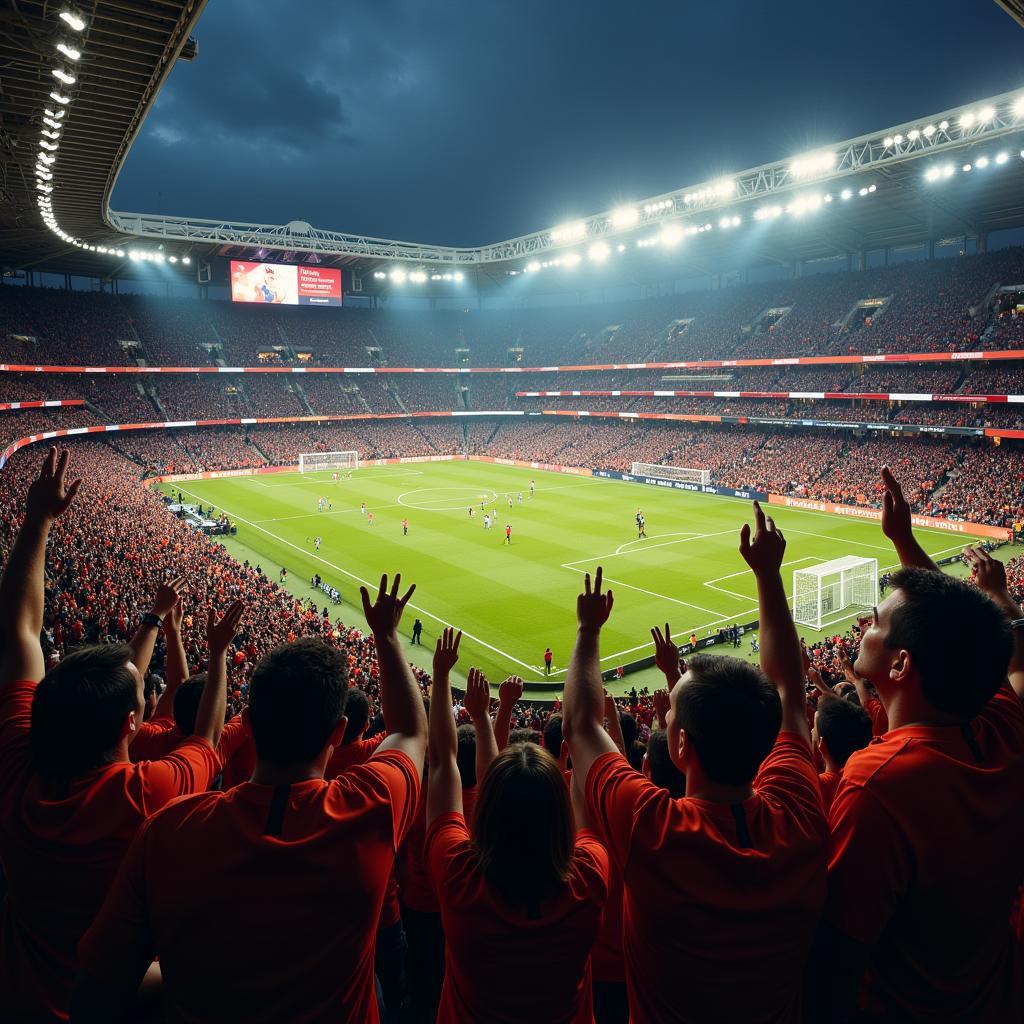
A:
[284, 285]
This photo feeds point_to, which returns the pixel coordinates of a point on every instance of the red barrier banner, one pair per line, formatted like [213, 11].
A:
[863, 512]
[49, 403]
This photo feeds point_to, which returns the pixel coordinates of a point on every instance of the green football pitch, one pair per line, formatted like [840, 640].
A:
[513, 600]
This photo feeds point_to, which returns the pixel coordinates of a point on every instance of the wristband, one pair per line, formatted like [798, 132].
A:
[152, 619]
[1016, 623]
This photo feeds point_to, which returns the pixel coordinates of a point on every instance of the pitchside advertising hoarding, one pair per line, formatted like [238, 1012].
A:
[280, 284]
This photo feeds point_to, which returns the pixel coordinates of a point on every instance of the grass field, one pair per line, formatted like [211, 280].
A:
[514, 600]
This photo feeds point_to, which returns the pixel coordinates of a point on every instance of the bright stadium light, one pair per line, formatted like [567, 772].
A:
[981, 163]
[49, 134]
[47, 159]
[59, 98]
[51, 146]
[1018, 107]
[571, 259]
[966, 168]
[571, 232]
[69, 51]
[967, 119]
[62, 76]
[948, 170]
[398, 276]
[804, 204]
[872, 188]
[1002, 158]
[56, 114]
[986, 114]
[932, 174]
[625, 217]
[943, 125]
[768, 213]
[187, 260]
[72, 19]
[846, 193]
[598, 252]
[929, 131]
[913, 135]
[172, 259]
[51, 122]
[887, 142]
[671, 234]
[532, 267]
[417, 277]
[724, 187]
[862, 191]
[898, 139]
[459, 275]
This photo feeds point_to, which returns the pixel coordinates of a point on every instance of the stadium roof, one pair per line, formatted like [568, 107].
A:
[952, 174]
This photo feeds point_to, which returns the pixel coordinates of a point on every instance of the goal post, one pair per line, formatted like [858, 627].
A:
[315, 462]
[834, 590]
[684, 474]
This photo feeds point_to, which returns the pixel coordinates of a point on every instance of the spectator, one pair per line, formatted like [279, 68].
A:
[929, 937]
[700, 941]
[517, 902]
[294, 832]
[840, 729]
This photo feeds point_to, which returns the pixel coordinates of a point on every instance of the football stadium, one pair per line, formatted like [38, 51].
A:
[562, 627]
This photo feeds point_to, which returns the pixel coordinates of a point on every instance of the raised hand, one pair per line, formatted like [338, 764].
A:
[220, 632]
[384, 615]
[815, 677]
[765, 551]
[50, 494]
[172, 620]
[662, 702]
[896, 523]
[168, 596]
[510, 690]
[446, 651]
[989, 572]
[666, 655]
[593, 607]
[478, 695]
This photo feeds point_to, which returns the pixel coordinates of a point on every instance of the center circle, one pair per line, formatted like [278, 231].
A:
[420, 499]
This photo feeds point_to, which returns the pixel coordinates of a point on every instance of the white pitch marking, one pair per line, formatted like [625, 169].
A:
[651, 593]
[686, 533]
[366, 583]
[614, 554]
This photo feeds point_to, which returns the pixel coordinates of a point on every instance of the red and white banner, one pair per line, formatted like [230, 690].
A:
[863, 512]
[49, 403]
[861, 396]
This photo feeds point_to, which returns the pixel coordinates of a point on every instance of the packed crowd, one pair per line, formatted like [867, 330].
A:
[305, 744]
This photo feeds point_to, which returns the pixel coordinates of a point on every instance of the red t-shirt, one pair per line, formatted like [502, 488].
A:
[61, 847]
[722, 901]
[283, 890]
[357, 752]
[829, 783]
[154, 739]
[502, 963]
[927, 841]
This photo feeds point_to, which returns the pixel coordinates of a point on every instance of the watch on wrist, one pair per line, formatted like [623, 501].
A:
[1016, 623]
[152, 619]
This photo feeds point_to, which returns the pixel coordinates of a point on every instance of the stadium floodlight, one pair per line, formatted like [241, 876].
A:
[69, 51]
[804, 204]
[46, 158]
[173, 259]
[1002, 158]
[51, 146]
[598, 252]
[724, 187]
[120, 252]
[872, 188]
[943, 125]
[948, 171]
[72, 19]
[49, 134]
[986, 114]
[55, 95]
[52, 123]
[625, 217]
[967, 119]
[571, 232]
[862, 191]
[913, 135]
[570, 259]
[532, 267]
[812, 163]
[768, 213]
[928, 131]
[55, 114]
[887, 142]
[43, 187]
[966, 168]
[1018, 106]
[671, 234]
[846, 193]
[417, 277]
[45, 175]
[981, 163]
[398, 276]
[898, 139]
[932, 174]
[62, 76]
[458, 275]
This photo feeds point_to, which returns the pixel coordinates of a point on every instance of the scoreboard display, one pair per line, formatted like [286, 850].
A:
[285, 285]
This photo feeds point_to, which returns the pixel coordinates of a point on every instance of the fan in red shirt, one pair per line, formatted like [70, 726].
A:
[723, 887]
[313, 857]
[70, 799]
[522, 898]
[840, 729]
[928, 821]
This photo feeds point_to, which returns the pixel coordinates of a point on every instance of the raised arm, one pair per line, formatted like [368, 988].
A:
[214, 701]
[896, 525]
[509, 694]
[478, 704]
[176, 669]
[583, 711]
[781, 660]
[444, 789]
[400, 699]
[990, 575]
[142, 644]
[613, 724]
[666, 656]
[22, 586]
[858, 682]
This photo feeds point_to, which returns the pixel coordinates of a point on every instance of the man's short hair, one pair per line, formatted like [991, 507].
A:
[731, 714]
[357, 711]
[186, 703]
[465, 754]
[663, 772]
[524, 735]
[959, 639]
[553, 736]
[79, 709]
[845, 727]
[296, 700]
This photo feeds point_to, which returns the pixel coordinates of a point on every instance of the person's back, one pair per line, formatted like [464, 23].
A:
[286, 873]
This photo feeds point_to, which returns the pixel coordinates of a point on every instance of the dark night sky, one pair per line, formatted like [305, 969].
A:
[469, 122]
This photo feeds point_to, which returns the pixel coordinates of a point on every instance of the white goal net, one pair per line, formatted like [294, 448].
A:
[685, 474]
[834, 590]
[315, 462]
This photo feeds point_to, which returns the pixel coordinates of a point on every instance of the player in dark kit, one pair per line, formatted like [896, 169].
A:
[508, 534]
